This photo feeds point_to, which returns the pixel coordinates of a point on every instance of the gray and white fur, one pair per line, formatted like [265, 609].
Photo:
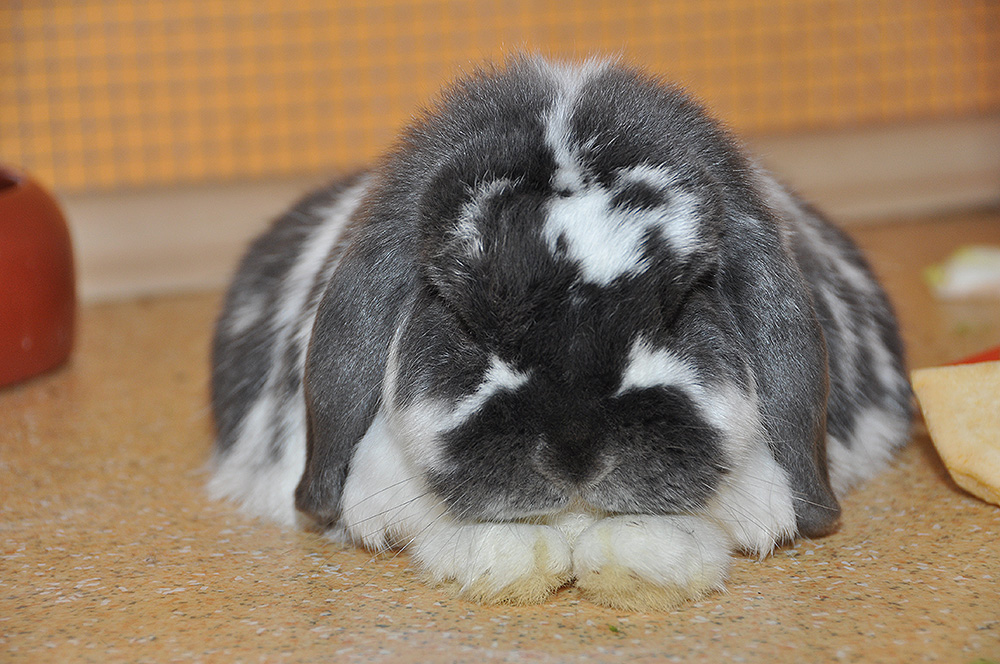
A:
[565, 331]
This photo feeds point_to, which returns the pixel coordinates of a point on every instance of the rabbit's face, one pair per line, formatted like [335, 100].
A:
[612, 419]
[567, 331]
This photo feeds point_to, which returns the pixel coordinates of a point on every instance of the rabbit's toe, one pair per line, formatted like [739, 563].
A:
[497, 563]
[642, 562]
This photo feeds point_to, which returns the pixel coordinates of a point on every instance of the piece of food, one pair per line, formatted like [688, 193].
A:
[961, 406]
[969, 272]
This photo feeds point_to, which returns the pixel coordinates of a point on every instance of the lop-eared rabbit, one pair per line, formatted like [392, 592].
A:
[565, 331]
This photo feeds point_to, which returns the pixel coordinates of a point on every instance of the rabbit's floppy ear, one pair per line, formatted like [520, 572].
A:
[774, 311]
[364, 303]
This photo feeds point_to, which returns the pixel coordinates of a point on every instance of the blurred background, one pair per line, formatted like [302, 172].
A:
[172, 130]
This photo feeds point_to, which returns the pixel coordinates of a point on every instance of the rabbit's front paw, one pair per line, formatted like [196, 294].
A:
[496, 563]
[645, 562]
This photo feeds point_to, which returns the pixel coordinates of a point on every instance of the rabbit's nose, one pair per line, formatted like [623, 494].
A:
[572, 462]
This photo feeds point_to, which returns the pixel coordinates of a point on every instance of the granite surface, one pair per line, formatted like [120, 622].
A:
[111, 551]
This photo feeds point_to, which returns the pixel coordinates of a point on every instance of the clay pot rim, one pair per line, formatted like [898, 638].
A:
[10, 178]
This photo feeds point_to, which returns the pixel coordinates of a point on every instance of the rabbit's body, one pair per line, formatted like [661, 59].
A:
[565, 331]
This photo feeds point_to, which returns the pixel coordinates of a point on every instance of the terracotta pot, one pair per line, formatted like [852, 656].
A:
[37, 285]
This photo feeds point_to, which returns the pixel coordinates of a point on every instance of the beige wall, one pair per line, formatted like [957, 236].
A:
[109, 94]
[172, 130]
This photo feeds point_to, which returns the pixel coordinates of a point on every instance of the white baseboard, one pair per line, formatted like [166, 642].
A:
[148, 242]
[139, 243]
[884, 173]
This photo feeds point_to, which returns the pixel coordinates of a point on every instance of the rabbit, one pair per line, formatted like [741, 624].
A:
[565, 331]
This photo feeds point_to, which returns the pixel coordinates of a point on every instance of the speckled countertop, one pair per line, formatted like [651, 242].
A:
[110, 551]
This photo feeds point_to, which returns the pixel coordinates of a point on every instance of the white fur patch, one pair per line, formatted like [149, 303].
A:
[686, 553]
[677, 220]
[385, 499]
[607, 241]
[312, 263]
[733, 412]
[417, 426]
[570, 79]
[247, 312]
[262, 487]
[466, 230]
[651, 367]
[877, 433]
[500, 377]
[485, 559]
[573, 520]
[606, 244]
[421, 424]
[754, 501]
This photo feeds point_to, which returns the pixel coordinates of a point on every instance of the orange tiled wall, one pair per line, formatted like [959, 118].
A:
[110, 93]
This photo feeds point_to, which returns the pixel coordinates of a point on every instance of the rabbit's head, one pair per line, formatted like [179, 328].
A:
[566, 285]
